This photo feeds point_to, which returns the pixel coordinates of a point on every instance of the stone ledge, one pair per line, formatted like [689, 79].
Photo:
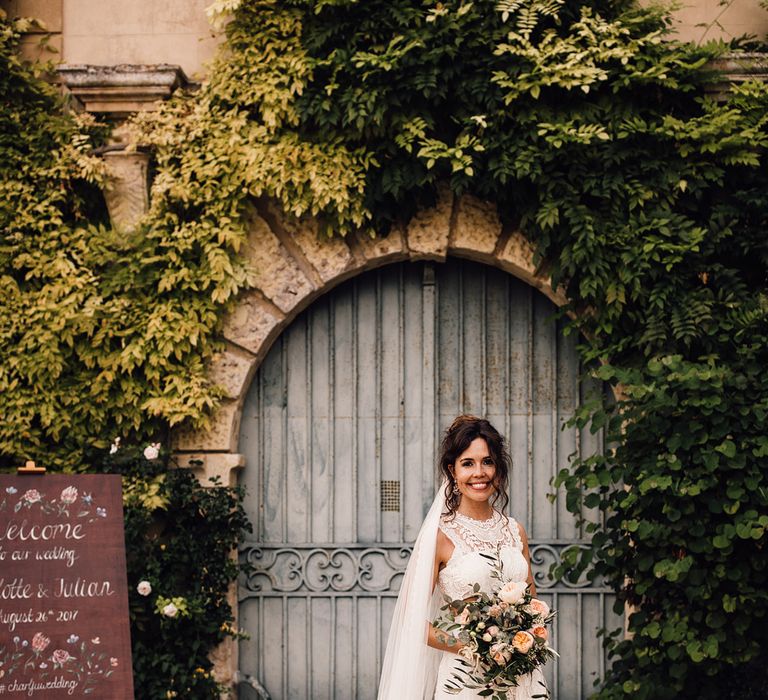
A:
[206, 465]
[123, 89]
[737, 68]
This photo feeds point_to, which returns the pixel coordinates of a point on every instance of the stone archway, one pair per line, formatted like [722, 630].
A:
[294, 267]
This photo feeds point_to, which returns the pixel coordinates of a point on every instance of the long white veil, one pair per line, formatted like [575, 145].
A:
[410, 666]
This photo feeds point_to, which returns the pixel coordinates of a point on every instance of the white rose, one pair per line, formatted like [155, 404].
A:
[144, 588]
[170, 610]
[512, 592]
[152, 451]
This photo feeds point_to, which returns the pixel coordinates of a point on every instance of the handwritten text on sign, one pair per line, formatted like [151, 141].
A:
[63, 592]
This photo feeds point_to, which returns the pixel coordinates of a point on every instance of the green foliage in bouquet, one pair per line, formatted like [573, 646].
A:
[179, 538]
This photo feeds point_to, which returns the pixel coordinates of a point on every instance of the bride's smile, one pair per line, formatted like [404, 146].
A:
[474, 472]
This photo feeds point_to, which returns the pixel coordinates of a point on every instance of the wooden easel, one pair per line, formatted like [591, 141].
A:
[30, 468]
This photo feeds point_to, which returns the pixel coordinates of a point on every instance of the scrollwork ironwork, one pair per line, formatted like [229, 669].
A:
[366, 569]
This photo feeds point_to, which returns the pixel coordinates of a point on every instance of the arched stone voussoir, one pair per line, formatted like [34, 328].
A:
[232, 370]
[476, 230]
[375, 251]
[327, 257]
[220, 436]
[254, 323]
[516, 256]
[275, 271]
[429, 230]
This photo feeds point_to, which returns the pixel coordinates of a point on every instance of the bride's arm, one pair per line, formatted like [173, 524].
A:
[440, 639]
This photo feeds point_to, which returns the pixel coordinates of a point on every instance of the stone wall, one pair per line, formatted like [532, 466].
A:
[111, 32]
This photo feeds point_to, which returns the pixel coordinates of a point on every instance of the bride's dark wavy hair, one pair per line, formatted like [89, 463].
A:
[457, 439]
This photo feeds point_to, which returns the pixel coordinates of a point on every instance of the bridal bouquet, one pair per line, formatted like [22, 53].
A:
[504, 636]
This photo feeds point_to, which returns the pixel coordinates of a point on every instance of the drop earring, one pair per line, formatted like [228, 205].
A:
[456, 491]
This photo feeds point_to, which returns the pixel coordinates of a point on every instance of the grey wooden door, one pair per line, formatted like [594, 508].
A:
[340, 430]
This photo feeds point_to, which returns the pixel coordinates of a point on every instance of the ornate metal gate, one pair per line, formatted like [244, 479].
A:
[340, 430]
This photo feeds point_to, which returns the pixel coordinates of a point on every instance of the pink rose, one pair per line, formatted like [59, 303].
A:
[32, 496]
[540, 633]
[68, 495]
[495, 610]
[40, 642]
[60, 656]
[522, 642]
[493, 630]
[500, 654]
[512, 592]
[462, 618]
[539, 607]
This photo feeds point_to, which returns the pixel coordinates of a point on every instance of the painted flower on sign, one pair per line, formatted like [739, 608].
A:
[73, 639]
[113, 662]
[101, 512]
[32, 496]
[60, 656]
[68, 495]
[40, 642]
[11, 490]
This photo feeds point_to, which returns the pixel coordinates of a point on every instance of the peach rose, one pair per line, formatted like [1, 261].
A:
[500, 654]
[462, 618]
[495, 610]
[540, 632]
[522, 642]
[512, 592]
[539, 607]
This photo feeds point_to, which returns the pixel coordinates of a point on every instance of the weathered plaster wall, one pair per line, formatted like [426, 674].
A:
[110, 32]
[726, 21]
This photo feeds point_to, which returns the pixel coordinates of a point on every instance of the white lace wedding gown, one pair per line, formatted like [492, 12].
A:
[465, 568]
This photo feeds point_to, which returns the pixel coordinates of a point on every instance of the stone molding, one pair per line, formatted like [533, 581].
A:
[293, 266]
[118, 91]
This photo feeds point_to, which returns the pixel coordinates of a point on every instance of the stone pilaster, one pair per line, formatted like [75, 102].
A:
[127, 189]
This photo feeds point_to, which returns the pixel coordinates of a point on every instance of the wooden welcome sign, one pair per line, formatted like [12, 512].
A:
[64, 629]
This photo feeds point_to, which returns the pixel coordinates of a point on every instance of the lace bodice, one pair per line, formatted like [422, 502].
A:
[471, 537]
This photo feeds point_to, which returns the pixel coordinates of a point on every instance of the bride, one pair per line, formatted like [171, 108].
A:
[466, 518]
